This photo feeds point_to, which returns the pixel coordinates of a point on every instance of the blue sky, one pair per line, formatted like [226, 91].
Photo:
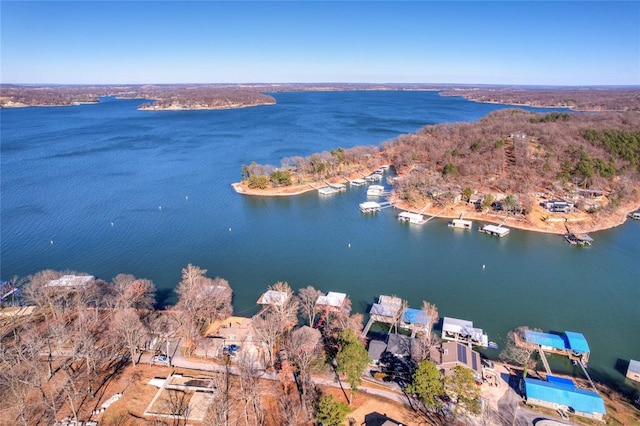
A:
[537, 42]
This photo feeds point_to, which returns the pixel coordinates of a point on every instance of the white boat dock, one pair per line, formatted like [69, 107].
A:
[375, 191]
[327, 190]
[357, 182]
[369, 207]
[376, 177]
[496, 230]
[409, 217]
[461, 224]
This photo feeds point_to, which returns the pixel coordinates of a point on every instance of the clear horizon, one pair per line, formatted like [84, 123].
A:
[456, 43]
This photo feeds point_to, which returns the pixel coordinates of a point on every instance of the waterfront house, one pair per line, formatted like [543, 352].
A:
[451, 354]
[409, 217]
[400, 345]
[633, 371]
[476, 199]
[236, 330]
[463, 331]
[557, 206]
[562, 394]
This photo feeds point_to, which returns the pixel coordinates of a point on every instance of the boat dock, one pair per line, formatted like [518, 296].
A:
[578, 239]
[495, 230]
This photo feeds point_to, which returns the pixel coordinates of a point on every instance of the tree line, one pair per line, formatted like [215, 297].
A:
[56, 359]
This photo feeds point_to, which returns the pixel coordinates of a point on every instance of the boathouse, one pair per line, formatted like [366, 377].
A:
[556, 206]
[327, 190]
[562, 394]
[451, 354]
[574, 345]
[273, 298]
[460, 223]
[7, 289]
[463, 331]
[415, 320]
[633, 371]
[72, 281]
[375, 191]
[496, 230]
[409, 217]
[332, 302]
[369, 207]
[387, 311]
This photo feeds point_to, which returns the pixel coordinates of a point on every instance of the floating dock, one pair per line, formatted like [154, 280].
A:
[460, 224]
[495, 230]
[578, 239]
[375, 191]
[409, 217]
[369, 207]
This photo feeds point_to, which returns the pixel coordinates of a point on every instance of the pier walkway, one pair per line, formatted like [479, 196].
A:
[544, 361]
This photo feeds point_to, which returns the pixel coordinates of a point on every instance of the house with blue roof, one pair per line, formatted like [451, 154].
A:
[562, 394]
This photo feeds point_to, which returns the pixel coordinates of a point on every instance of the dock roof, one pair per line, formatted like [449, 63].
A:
[273, 297]
[634, 366]
[332, 299]
[71, 281]
[577, 342]
[415, 316]
[545, 339]
[562, 393]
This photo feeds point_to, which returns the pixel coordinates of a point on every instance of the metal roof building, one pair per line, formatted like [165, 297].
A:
[415, 316]
[546, 339]
[559, 393]
[577, 342]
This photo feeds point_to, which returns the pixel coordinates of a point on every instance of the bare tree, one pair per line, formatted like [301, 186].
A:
[516, 349]
[431, 313]
[129, 292]
[129, 331]
[287, 308]
[269, 327]
[304, 350]
[307, 303]
[249, 391]
[200, 300]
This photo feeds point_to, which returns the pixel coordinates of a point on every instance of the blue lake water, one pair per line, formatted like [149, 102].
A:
[124, 191]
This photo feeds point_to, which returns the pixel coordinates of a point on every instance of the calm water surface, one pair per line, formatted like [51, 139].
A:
[124, 191]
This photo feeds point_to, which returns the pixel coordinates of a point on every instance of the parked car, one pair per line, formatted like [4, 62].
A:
[160, 359]
[231, 350]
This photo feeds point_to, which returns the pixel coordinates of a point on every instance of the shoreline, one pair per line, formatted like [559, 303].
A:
[452, 211]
